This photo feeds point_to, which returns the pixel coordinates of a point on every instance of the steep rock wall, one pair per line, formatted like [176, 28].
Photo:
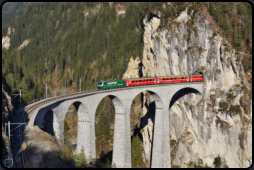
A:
[200, 132]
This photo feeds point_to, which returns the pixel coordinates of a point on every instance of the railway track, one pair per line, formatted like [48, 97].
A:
[28, 110]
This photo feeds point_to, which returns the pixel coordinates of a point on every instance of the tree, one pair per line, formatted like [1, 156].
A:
[217, 161]
[25, 90]
[136, 152]
[80, 159]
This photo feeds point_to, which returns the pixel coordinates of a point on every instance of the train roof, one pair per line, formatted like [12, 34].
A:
[180, 75]
[141, 78]
[173, 76]
[111, 80]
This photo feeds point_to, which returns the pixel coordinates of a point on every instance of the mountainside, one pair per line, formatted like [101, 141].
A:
[11, 9]
[59, 43]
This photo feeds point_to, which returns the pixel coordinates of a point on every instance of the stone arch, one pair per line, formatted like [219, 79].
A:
[47, 123]
[180, 93]
[83, 129]
[118, 110]
[156, 115]
[117, 103]
[41, 115]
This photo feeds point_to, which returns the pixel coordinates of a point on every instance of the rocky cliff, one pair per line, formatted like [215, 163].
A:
[7, 112]
[193, 46]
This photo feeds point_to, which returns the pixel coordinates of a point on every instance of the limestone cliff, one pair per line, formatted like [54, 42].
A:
[6, 39]
[133, 69]
[200, 132]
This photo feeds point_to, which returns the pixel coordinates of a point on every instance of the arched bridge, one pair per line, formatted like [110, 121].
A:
[163, 95]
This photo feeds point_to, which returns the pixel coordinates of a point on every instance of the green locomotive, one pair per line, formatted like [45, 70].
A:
[108, 84]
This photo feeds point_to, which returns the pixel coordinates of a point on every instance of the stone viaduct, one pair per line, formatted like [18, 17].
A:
[163, 95]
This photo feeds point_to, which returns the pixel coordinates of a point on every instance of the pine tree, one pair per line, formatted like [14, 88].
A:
[25, 90]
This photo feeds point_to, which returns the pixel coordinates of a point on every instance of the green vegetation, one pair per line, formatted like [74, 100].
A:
[136, 152]
[104, 128]
[238, 58]
[199, 164]
[98, 46]
[223, 106]
[228, 15]
[220, 162]
[234, 109]
[230, 95]
[65, 42]
[10, 10]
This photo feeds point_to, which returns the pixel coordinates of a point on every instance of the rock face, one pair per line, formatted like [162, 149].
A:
[133, 69]
[7, 111]
[23, 44]
[200, 132]
[6, 42]
[6, 39]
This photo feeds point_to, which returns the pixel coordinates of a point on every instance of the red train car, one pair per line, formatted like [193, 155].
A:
[172, 79]
[196, 77]
[162, 79]
[140, 81]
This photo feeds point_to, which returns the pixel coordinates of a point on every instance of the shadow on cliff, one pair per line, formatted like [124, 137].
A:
[182, 93]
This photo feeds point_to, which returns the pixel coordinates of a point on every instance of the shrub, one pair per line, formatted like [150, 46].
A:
[223, 105]
[202, 68]
[217, 161]
[238, 58]
[200, 49]
[215, 34]
[218, 71]
[233, 109]
[230, 96]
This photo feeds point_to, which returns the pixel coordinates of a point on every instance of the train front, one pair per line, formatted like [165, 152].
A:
[100, 85]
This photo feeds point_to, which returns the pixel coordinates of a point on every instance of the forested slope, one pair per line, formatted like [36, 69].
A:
[92, 41]
[11, 9]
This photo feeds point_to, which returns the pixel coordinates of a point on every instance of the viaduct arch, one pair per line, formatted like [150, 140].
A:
[164, 97]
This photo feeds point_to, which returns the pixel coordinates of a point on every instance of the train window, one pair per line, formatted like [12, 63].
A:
[194, 77]
[163, 79]
[132, 81]
[171, 78]
[178, 78]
